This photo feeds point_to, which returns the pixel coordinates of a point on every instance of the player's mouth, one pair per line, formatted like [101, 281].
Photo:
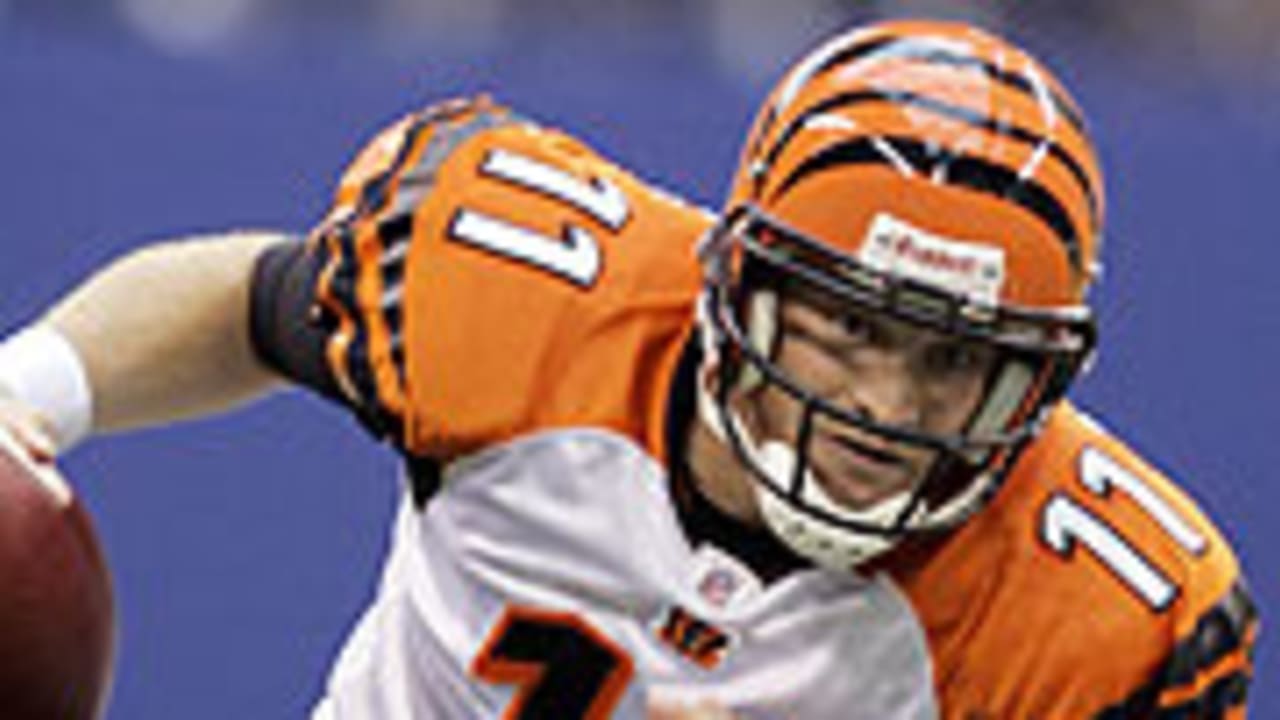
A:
[860, 474]
[877, 456]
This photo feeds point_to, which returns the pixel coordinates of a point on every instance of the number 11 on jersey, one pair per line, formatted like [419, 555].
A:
[576, 256]
[1065, 522]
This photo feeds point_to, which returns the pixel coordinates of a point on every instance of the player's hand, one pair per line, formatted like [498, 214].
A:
[703, 710]
[28, 428]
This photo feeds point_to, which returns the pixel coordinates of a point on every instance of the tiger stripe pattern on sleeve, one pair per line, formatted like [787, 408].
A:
[365, 245]
[1207, 674]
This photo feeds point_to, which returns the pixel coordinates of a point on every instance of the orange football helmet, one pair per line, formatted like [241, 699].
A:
[940, 175]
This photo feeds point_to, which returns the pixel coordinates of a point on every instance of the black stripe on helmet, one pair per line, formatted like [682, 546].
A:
[811, 67]
[930, 50]
[949, 110]
[952, 169]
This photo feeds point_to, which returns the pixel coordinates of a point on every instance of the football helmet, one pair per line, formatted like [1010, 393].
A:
[943, 177]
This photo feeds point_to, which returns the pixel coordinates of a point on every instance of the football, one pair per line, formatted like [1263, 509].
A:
[57, 612]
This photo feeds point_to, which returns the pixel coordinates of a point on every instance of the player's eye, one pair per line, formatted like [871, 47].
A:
[843, 332]
[855, 327]
[833, 327]
[954, 358]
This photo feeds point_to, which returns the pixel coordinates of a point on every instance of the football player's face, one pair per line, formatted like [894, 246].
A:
[891, 372]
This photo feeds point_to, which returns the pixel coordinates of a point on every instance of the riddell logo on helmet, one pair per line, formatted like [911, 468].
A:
[965, 268]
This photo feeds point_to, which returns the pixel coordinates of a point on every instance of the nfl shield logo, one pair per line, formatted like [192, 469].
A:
[718, 585]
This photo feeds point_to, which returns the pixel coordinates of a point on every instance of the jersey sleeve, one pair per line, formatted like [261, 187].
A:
[481, 276]
[1091, 587]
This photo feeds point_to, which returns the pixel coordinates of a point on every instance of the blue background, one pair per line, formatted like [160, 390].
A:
[244, 547]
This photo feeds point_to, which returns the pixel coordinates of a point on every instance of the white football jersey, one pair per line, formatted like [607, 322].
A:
[571, 538]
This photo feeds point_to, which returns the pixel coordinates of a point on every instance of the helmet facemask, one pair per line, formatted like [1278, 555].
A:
[752, 260]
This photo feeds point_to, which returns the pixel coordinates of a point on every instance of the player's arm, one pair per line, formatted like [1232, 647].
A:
[185, 329]
[162, 334]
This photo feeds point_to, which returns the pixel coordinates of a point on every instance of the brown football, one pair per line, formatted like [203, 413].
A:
[57, 613]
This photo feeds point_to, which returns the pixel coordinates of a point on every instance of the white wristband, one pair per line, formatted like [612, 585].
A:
[42, 369]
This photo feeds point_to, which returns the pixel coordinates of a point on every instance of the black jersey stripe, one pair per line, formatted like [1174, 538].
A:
[965, 115]
[358, 363]
[373, 198]
[395, 233]
[954, 169]
[389, 201]
[1221, 696]
[376, 192]
[1221, 631]
[1225, 693]
[414, 184]
[378, 202]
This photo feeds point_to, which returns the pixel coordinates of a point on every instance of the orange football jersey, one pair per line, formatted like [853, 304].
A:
[487, 280]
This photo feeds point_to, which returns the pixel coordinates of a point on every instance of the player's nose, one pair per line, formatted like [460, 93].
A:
[888, 392]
